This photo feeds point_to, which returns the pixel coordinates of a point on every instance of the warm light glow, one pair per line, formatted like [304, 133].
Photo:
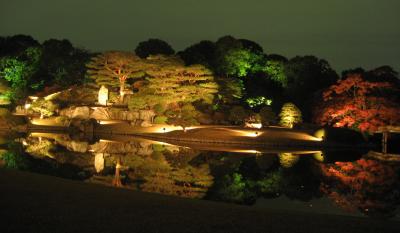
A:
[109, 122]
[255, 125]
[320, 134]
[162, 143]
[105, 140]
[34, 122]
[319, 156]
[27, 106]
[247, 151]
[248, 133]
[168, 128]
[52, 96]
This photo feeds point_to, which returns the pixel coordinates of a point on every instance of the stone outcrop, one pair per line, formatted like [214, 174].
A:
[141, 117]
[76, 112]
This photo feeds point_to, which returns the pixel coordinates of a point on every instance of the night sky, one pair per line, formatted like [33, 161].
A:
[347, 33]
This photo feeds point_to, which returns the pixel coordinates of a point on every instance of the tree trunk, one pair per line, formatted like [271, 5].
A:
[121, 90]
[117, 177]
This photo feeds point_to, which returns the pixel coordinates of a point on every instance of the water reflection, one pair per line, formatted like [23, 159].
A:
[232, 174]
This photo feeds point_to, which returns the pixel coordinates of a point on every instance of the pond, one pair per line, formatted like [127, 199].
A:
[334, 182]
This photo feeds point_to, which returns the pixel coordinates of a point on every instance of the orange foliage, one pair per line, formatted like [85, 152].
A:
[356, 103]
[366, 185]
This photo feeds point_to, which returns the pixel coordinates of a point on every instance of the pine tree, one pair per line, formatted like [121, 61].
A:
[114, 68]
[169, 81]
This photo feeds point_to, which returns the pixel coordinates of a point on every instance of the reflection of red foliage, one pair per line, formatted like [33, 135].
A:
[367, 185]
[355, 103]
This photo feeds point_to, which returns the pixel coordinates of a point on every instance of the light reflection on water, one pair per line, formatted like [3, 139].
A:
[287, 178]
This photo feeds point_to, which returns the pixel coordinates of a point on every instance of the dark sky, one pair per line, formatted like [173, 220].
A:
[347, 33]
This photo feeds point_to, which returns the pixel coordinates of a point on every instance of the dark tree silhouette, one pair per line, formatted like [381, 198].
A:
[153, 47]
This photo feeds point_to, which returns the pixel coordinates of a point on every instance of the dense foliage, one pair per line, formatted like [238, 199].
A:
[360, 104]
[227, 80]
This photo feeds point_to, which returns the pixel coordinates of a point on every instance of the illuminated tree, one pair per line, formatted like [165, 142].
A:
[276, 71]
[184, 116]
[230, 91]
[258, 101]
[153, 47]
[290, 115]
[114, 68]
[359, 104]
[171, 82]
[18, 71]
[241, 62]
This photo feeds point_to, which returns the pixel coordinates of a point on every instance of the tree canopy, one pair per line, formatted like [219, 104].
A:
[169, 81]
[114, 68]
[153, 47]
[359, 104]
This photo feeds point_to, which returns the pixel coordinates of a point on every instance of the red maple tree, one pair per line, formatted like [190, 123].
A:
[359, 104]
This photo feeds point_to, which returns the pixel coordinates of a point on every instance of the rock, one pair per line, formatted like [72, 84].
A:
[132, 116]
[100, 113]
[81, 147]
[81, 113]
[146, 115]
[146, 124]
[145, 151]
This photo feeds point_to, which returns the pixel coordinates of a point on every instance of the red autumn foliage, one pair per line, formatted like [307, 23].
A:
[365, 185]
[359, 104]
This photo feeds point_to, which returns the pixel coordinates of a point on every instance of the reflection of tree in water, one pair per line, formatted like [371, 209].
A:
[288, 160]
[249, 180]
[365, 185]
[168, 172]
[16, 157]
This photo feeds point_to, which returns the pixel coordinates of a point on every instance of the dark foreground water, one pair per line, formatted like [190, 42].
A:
[335, 182]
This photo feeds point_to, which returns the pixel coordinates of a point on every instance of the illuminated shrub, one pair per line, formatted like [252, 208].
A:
[290, 115]
[160, 120]
[44, 107]
[258, 101]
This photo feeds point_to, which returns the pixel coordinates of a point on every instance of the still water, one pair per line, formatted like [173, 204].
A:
[335, 182]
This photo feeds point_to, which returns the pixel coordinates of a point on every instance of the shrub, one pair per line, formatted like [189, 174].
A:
[290, 115]
[160, 120]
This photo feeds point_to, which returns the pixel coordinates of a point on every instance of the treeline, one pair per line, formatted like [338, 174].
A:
[249, 79]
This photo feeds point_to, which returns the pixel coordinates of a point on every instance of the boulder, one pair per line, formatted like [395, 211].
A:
[146, 124]
[147, 115]
[81, 113]
[81, 147]
[132, 116]
[101, 114]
